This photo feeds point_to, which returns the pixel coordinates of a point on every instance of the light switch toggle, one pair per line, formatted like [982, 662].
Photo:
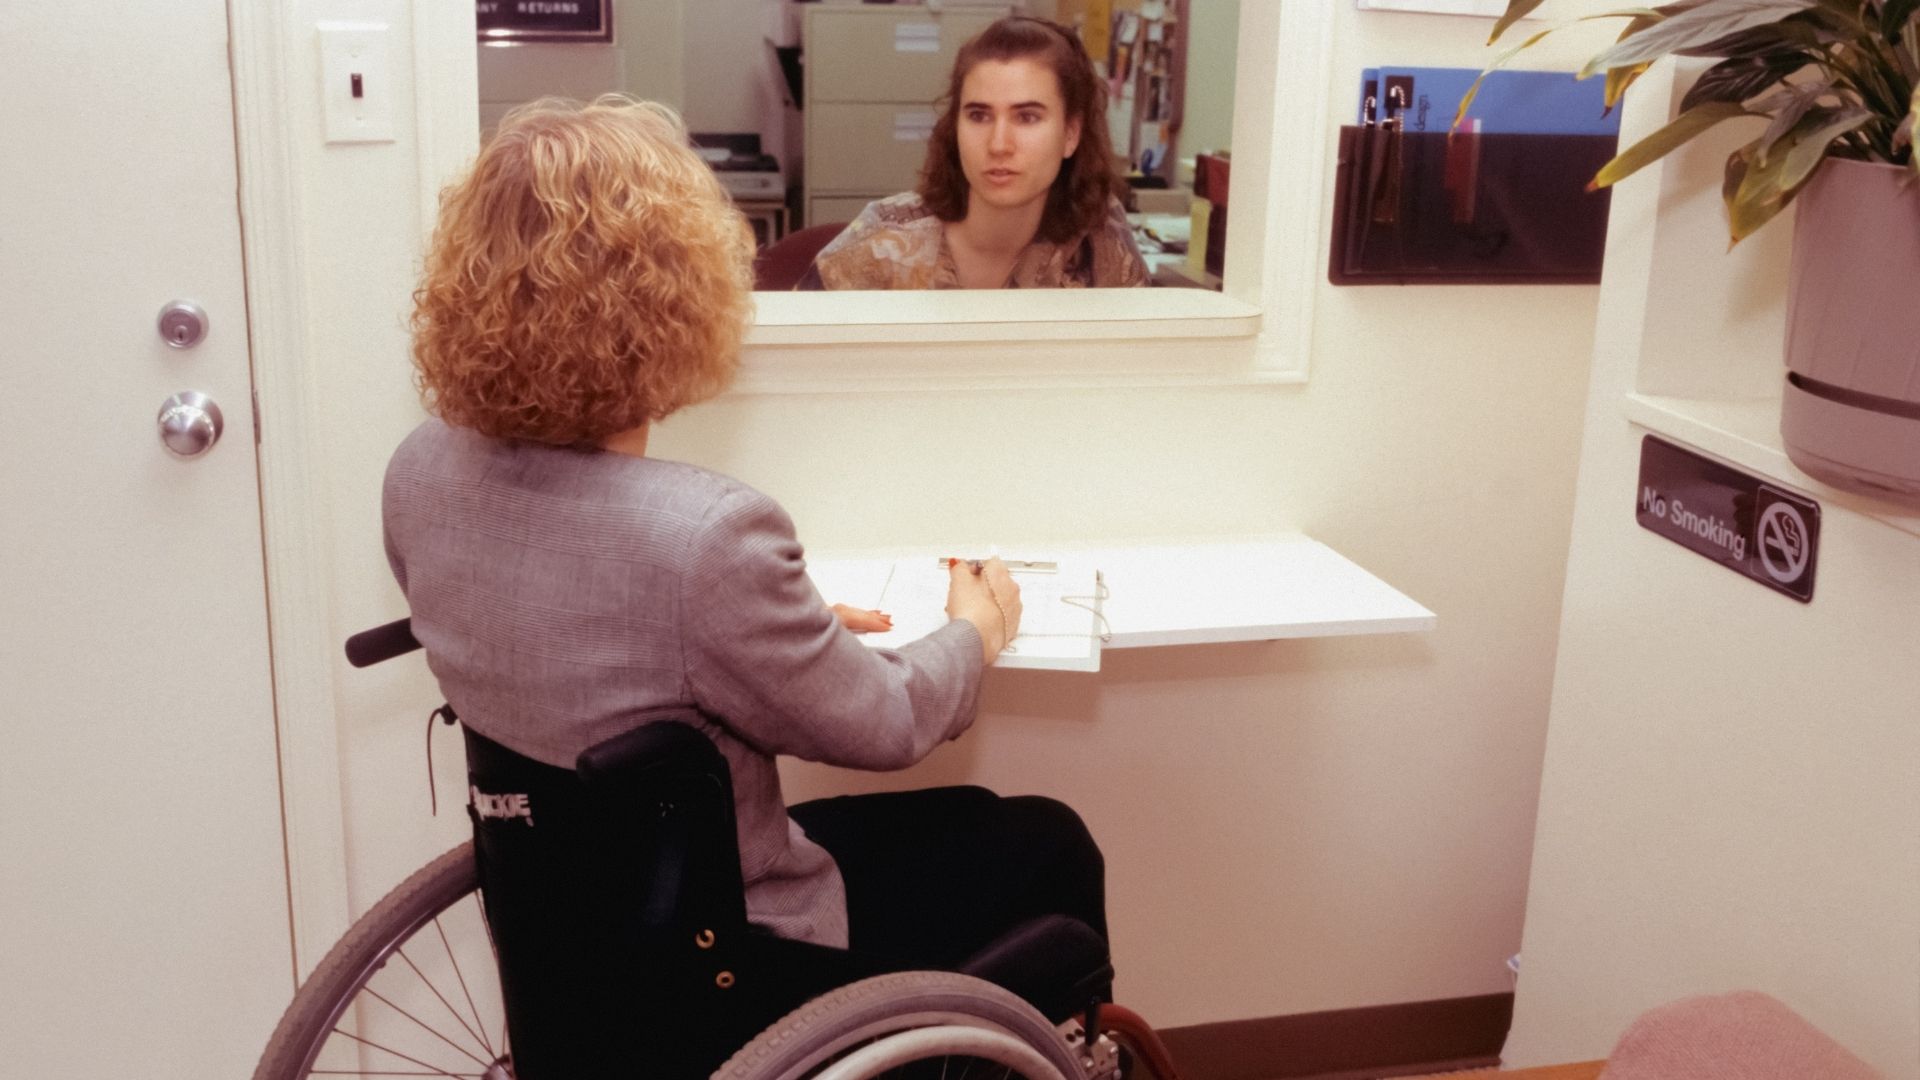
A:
[356, 92]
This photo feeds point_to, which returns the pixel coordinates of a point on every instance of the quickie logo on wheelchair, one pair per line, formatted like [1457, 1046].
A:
[501, 806]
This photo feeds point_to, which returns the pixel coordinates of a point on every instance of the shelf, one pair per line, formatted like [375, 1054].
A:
[1194, 591]
[1747, 434]
[1689, 332]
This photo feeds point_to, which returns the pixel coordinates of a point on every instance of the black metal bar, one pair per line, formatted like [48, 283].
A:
[369, 647]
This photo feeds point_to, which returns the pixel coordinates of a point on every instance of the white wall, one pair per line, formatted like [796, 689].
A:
[645, 60]
[1289, 827]
[731, 36]
[1358, 812]
[1730, 796]
[664, 50]
[1212, 36]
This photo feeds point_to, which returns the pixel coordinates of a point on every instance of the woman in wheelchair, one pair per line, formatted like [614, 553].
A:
[588, 278]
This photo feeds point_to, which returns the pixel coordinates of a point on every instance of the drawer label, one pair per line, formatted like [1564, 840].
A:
[914, 126]
[916, 37]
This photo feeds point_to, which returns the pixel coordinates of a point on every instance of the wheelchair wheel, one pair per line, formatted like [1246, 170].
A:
[412, 989]
[910, 1024]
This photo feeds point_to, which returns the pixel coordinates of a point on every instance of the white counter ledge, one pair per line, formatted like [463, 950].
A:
[1193, 591]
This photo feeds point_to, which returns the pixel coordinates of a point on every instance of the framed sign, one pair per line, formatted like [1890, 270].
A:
[544, 20]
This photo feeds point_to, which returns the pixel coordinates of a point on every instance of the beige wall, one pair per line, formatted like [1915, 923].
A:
[1291, 826]
[1213, 33]
[1358, 813]
[709, 59]
[1730, 796]
[645, 60]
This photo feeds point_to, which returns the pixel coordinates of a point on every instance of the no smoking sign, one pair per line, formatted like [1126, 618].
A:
[1739, 521]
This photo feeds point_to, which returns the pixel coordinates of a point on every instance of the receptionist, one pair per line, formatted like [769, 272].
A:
[1018, 190]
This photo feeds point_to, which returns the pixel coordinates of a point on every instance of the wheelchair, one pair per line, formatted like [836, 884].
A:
[595, 927]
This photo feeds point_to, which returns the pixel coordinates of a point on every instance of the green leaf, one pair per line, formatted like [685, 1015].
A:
[1743, 78]
[1805, 32]
[1516, 10]
[1767, 184]
[1618, 79]
[1738, 163]
[1663, 142]
[1694, 26]
[1754, 201]
[1913, 132]
[1848, 12]
[1806, 147]
[1499, 62]
[1787, 111]
[1894, 17]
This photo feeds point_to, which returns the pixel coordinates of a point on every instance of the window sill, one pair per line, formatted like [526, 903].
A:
[848, 318]
[863, 341]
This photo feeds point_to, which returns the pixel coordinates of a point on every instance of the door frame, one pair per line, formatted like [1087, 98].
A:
[270, 48]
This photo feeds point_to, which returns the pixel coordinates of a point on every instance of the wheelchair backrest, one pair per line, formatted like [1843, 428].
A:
[613, 893]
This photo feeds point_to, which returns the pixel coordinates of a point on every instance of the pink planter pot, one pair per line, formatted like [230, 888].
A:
[1850, 410]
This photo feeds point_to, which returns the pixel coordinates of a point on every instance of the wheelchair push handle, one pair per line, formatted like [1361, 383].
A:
[369, 647]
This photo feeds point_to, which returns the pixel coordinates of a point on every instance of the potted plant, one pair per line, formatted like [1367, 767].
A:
[1837, 84]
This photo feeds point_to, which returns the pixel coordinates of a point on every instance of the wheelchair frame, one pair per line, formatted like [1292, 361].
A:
[342, 1015]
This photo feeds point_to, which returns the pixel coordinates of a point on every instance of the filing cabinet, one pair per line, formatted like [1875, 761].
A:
[873, 76]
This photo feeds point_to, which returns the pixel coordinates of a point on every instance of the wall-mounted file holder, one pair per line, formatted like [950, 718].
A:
[1414, 207]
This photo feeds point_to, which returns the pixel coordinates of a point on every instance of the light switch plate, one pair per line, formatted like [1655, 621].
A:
[356, 82]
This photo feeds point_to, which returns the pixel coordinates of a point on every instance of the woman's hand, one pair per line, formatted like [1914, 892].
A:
[862, 621]
[985, 595]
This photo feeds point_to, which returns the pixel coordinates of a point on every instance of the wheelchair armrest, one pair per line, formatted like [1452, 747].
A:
[1056, 962]
[665, 787]
[669, 741]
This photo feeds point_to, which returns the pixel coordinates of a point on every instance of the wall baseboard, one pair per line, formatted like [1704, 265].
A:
[1348, 1044]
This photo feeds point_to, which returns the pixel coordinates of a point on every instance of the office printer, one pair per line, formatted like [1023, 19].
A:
[746, 171]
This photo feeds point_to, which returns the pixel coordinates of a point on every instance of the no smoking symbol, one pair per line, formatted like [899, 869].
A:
[1783, 543]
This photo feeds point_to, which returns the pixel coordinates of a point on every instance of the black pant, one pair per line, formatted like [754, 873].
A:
[933, 876]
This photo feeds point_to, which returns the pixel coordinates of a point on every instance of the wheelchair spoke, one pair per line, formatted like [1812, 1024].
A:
[394, 1073]
[424, 1026]
[431, 1070]
[478, 1036]
[481, 1034]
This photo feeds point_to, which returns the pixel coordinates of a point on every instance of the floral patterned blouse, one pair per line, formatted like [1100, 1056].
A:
[897, 243]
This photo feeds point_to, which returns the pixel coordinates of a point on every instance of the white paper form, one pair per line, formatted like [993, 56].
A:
[1059, 625]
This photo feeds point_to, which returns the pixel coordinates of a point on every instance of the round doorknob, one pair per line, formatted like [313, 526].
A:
[190, 424]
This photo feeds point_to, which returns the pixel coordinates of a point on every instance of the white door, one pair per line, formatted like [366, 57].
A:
[142, 877]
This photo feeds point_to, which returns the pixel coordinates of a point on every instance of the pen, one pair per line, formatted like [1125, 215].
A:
[1032, 565]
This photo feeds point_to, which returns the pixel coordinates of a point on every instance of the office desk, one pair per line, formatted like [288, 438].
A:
[1193, 592]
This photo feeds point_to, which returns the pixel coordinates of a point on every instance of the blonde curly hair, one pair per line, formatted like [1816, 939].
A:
[589, 275]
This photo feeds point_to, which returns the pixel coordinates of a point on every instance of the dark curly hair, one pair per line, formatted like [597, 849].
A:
[1087, 183]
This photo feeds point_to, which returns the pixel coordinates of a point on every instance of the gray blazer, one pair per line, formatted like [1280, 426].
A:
[559, 593]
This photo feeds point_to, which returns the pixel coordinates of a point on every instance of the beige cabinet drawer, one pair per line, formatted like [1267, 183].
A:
[863, 54]
[866, 147]
[839, 209]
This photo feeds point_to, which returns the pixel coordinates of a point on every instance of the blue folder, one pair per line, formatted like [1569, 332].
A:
[1509, 102]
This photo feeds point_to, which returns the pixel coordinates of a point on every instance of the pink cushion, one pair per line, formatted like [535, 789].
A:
[1745, 1035]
